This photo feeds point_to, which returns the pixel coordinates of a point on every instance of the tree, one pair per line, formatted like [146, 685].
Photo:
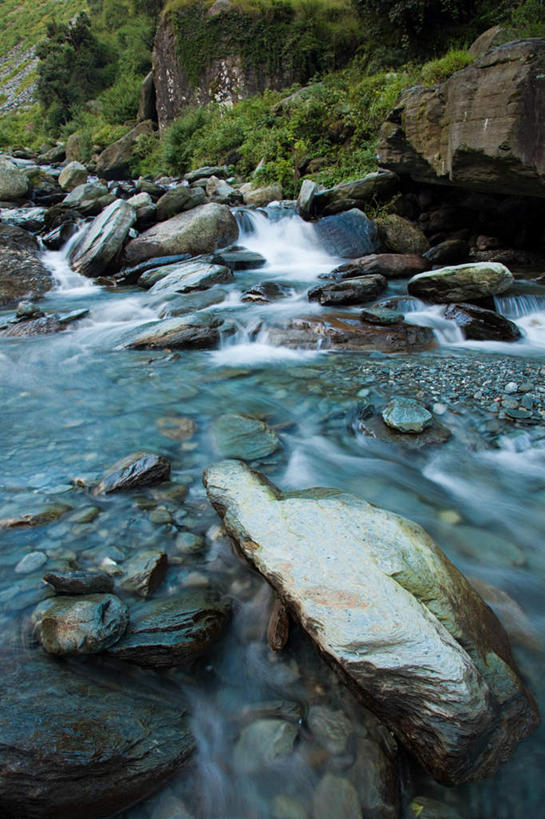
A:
[72, 69]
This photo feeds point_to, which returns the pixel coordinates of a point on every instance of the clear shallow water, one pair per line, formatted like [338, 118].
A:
[73, 403]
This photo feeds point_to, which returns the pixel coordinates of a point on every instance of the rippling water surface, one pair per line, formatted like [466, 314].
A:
[73, 403]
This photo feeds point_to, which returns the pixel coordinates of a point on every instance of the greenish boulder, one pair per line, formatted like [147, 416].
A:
[13, 181]
[80, 625]
[73, 175]
[203, 229]
[177, 200]
[461, 282]
[406, 415]
[194, 331]
[385, 605]
[398, 235]
[241, 436]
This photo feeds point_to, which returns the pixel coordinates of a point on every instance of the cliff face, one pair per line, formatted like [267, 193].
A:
[483, 129]
[222, 53]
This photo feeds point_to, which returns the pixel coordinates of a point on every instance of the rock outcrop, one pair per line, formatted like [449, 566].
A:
[227, 51]
[482, 129]
[390, 612]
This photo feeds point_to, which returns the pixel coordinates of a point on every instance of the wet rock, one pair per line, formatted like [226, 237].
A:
[137, 469]
[373, 425]
[148, 273]
[175, 631]
[347, 332]
[104, 240]
[13, 181]
[265, 292]
[349, 291]
[44, 188]
[56, 154]
[89, 198]
[378, 186]
[262, 743]
[197, 331]
[284, 807]
[144, 572]
[73, 175]
[240, 259]
[486, 547]
[80, 625]
[390, 265]
[364, 582]
[22, 274]
[203, 229]
[241, 436]
[349, 235]
[406, 415]
[114, 161]
[27, 309]
[17, 237]
[187, 277]
[178, 200]
[305, 200]
[381, 315]
[336, 796]
[41, 516]
[28, 218]
[205, 173]
[451, 251]
[261, 197]
[193, 302]
[482, 325]
[80, 582]
[461, 283]
[399, 235]
[220, 191]
[31, 563]
[42, 326]
[376, 771]
[56, 239]
[61, 726]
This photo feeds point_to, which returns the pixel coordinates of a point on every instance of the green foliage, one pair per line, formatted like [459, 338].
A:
[437, 71]
[120, 101]
[71, 69]
[148, 156]
[528, 18]
[24, 22]
[22, 129]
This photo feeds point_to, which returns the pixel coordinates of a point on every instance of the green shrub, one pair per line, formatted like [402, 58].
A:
[120, 101]
[437, 71]
[528, 18]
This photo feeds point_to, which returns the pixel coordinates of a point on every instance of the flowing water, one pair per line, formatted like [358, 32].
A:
[75, 402]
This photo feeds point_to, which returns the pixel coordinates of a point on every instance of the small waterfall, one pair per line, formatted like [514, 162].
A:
[58, 261]
[287, 242]
[515, 307]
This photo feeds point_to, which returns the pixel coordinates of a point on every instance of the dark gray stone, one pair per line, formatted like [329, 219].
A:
[349, 235]
[349, 291]
[80, 582]
[137, 469]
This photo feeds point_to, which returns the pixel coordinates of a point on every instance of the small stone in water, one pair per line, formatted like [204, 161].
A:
[160, 515]
[439, 409]
[27, 309]
[406, 415]
[144, 572]
[189, 543]
[363, 393]
[79, 582]
[511, 387]
[262, 742]
[31, 563]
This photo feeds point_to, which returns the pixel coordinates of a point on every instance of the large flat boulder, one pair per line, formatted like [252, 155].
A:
[479, 129]
[461, 282]
[203, 229]
[104, 240]
[388, 610]
[194, 331]
[79, 744]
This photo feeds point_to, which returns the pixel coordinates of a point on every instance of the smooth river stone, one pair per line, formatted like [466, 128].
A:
[406, 415]
[390, 612]
[80, 625]
[138, 469]
[241, 436]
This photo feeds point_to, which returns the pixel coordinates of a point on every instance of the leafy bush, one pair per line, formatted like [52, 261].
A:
[437, 71]
[120, 101]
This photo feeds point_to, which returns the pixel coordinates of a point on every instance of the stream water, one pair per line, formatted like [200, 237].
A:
[74, 402]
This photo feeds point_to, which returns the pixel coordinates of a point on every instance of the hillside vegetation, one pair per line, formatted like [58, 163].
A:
[327, 131]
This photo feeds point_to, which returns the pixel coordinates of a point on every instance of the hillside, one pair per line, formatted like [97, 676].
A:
[24, 24]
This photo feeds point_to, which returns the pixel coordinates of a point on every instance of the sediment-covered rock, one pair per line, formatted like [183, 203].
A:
[390, 612]
[73, 175]
[194, 331]
[188, 277]
[13, 181]
[349, 291]
[343, 331]
[241, 436]
[22, 273]
[482, 325]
